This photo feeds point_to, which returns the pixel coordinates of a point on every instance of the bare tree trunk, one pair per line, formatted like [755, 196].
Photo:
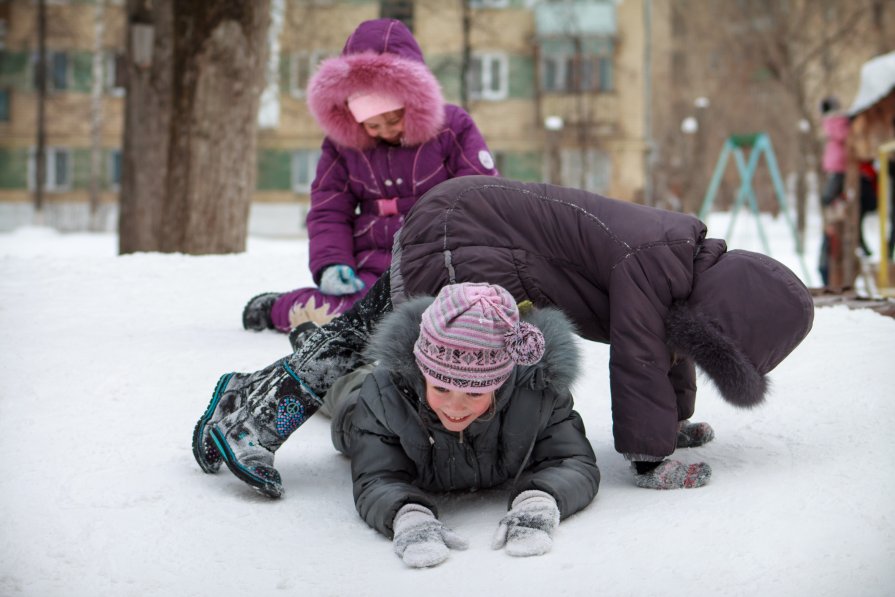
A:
[147, 124]
[96, 114]
[200, 101]
[40, 158]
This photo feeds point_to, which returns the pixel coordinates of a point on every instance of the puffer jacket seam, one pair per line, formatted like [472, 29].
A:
[648, 246]
[460, 196]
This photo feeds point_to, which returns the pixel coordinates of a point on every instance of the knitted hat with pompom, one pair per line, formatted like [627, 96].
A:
[471, 338]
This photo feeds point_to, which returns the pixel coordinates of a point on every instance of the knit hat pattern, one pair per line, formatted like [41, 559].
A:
[471, 338]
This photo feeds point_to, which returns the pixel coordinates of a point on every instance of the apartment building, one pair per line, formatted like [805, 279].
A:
[558, 88]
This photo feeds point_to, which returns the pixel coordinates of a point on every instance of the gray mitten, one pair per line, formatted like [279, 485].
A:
[421, 540]
[692, 435]
[527, 528]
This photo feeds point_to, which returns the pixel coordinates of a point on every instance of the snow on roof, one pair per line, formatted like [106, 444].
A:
[877, 80]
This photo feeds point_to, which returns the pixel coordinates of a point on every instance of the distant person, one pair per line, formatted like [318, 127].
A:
[835, 126]
[390, 137]
[868, 181]
[646, 281]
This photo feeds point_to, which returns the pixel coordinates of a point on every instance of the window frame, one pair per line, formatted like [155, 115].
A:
[594, 69]
[479, 4]
[112, 60]
[51, 184]
[402, 10]
[6, 115]
[595, 161]
[114, 155]
[485, 90]
[309, 59]
[311, 157]
[50, 72]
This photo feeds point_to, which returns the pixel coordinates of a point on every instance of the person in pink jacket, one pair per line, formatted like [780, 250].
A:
[835, 126]
[390, 137]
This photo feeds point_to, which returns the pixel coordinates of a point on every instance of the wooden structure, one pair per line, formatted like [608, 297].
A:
[871, 137]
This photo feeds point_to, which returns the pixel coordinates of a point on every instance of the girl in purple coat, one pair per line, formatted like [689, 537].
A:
[390, 137]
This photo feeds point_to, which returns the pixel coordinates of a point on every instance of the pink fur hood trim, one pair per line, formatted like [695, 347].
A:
[338, 78]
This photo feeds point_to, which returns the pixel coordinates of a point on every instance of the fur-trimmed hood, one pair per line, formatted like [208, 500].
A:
[380, 55]
[745, 315]
[392, 345]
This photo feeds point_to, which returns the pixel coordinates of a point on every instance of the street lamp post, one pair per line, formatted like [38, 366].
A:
[554, 126]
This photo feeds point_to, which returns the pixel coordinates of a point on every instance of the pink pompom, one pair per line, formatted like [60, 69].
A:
[524, 343]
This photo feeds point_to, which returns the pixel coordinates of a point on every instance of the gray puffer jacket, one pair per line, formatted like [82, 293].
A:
[400, 451]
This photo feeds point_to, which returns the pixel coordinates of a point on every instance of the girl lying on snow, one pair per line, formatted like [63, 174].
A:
[464, 395]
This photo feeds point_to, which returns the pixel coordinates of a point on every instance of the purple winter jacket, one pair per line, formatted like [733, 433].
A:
[646, 281]
[364, 187]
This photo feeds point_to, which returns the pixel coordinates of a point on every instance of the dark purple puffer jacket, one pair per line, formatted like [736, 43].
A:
[345, 223]
[645, 280]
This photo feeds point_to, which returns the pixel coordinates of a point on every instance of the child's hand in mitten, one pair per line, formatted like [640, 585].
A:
[421, 540]
[527, 528]
[340, 279]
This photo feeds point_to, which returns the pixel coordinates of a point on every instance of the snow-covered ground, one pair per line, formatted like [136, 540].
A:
[108, 361]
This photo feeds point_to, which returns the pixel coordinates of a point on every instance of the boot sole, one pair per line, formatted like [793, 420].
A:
[242, 473]
[199, 430]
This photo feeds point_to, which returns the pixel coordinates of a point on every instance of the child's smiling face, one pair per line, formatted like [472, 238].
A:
[389, 126]
[457, 409]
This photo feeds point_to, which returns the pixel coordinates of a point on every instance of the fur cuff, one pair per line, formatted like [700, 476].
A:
[692, 334]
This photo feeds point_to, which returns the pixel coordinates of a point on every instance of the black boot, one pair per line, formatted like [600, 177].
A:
[256, 314]
[277, 403]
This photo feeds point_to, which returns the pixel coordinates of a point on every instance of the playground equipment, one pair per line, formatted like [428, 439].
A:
[872, 116]
[759, 144]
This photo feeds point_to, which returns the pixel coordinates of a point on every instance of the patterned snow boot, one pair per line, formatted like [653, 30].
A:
[277, 403]
[229, 394]
[256, 314]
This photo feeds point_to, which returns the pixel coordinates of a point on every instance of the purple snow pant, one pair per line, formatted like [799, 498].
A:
[309, 304]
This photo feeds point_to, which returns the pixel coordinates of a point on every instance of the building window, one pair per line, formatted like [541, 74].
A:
[115, 72]
[567, 71]
[115, 169]
[304, 167]
[605, 69]
[397, 9]
[302, 65]
[58, 72]
[590, 169]
[488, 76]
[5, 99]
[58, 169]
